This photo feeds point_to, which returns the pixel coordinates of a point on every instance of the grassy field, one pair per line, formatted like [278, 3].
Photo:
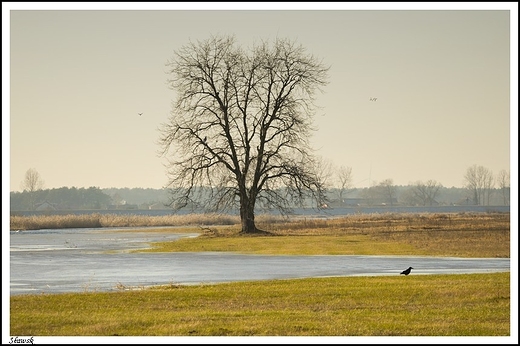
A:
[422, 305]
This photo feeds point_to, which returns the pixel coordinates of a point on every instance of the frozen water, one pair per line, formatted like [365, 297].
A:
[78, 260]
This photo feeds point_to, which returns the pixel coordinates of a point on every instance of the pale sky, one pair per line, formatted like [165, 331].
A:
[79, 78]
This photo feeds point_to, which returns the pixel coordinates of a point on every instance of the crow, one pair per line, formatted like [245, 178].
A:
[407, 271]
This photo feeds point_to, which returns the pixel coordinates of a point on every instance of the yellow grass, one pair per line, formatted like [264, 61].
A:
[458, 235]
[422, 305]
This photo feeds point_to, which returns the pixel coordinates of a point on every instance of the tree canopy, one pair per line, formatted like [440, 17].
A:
[239, 130]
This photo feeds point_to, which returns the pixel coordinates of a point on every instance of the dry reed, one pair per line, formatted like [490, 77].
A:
[351, 224]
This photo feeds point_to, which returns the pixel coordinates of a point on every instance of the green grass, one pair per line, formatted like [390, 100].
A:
[421, 305]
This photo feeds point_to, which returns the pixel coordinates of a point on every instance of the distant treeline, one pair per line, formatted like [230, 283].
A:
[94, 198]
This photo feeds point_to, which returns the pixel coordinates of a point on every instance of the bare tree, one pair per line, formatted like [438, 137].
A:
[479, 182]
[503, 180]
[371, 194]
[324, 170]
[239, 129]
[380, 193]
[489, 186]
[344, 175]
[388, 190]
[425, 193]
[31, 183]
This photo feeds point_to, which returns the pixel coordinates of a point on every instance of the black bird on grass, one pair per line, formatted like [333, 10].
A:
[407, 271]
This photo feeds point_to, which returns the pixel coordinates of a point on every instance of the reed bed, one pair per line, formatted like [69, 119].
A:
[275, 224]
[97, 220]
[393, 222]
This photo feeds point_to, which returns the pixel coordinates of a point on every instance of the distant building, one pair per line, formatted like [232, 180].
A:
[45, 206]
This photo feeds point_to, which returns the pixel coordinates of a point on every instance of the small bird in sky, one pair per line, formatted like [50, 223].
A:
[373, 99]
[140, 114]
[407, 271]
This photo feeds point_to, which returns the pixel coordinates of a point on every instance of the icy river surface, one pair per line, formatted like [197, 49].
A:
[85, 260]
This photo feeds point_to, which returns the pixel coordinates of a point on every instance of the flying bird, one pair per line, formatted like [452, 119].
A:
[373, 99]
[407, 271]
[140, 114]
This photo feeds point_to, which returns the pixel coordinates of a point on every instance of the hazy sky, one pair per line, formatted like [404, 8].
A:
[79, 78]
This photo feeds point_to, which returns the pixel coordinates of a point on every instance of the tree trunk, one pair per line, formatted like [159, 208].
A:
[247, 216]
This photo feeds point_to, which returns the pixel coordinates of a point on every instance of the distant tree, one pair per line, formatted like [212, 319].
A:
[387, 190]
[94, 198]
[344, 175]
[31, 183]
[77, 198]
[503, 181]
[425, 193]
[324, 169]
[117, 199]
[240, 127]
[479, 183]
[370, 194]
[383, 192]
[407, 197]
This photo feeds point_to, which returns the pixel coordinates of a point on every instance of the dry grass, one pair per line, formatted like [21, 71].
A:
[367, 223]
[458, 235]
[96, 220]
[274, 224]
